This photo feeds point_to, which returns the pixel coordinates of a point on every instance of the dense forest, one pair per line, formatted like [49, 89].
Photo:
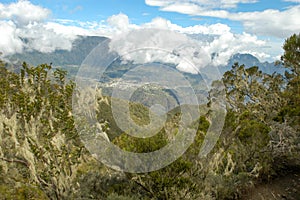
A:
[42, 156]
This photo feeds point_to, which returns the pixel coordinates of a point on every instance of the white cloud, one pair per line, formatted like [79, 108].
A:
[44, 39]
[229, 44]
[155, 45]
[233, 3]
[271, 22]
[10, 42]
[295, 1]
[23, 27]
[157, 2]
[224, 43]
[34, 36]
[119, 21]
[201, 3]
[65, 29]
[260, 55]
[46, 36]
[185, 8]
[161, 45]
[23, 12]
[213, 29]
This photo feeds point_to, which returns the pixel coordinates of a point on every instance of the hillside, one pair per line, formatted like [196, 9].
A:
[62, 141]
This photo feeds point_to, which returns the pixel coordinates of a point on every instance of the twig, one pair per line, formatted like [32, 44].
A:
[15, 161]
[144, 187]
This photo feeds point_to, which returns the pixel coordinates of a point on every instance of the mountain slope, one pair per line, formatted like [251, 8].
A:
[82, 46]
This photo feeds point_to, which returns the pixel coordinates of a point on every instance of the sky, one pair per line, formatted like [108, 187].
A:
[258, 27]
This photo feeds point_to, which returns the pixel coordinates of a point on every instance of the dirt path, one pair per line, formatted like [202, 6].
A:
[284, 187]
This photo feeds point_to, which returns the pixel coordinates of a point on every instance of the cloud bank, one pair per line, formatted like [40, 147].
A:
[23, 26]
[23, 12]
[27, 27]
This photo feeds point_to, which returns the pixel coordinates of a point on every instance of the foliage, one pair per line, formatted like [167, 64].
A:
[41, 155]
[291, 60]
[38, 138]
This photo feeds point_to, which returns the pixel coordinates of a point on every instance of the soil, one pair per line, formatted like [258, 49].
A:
[285, 186]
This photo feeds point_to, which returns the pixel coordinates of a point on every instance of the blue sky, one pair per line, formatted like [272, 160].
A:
[262, 25]
[139, 12]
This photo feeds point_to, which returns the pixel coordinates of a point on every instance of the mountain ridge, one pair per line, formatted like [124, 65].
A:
[83, 45]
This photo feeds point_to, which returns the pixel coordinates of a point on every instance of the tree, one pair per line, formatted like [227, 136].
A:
[287, 130]
[39, 147]
[291, 56]
[291, 60]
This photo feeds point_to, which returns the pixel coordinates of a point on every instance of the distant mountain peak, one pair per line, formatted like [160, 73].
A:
[245, 56]
[250, 60]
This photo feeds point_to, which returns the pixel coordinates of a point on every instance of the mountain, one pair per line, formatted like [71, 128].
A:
[82, 46]
[249, 60]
